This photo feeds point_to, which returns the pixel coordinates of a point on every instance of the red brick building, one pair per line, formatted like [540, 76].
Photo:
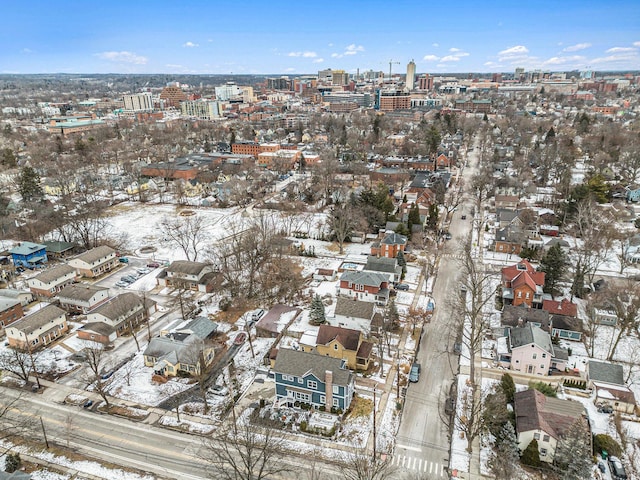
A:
[10, 311]
[522, 284]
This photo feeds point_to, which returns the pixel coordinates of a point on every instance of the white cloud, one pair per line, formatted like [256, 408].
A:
[318, 60]
[431, 58]
[576, 47]
[26, 50]
[336, 55]
[190, 45]
[513, 51]
[621, 50]
[636, 44]
[302, 54]
[450, 58]
[353, 49]
[454, 50]
[435, 45]
[330, 45]
[570, 60]
[123, 57]
[290, 69]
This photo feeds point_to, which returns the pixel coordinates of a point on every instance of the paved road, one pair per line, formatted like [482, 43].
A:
[422, 445]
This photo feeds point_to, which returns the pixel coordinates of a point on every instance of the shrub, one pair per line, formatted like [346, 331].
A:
[322, 408]
[303, 426]
[508, 387]
[605, 442]
[12, 462]
[544, 388]
[531, 455]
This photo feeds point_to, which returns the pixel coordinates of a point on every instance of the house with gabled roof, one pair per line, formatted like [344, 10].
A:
[389, 245]
[607, 379]
[187, 274]
[276, 320]
[29, 254]
[354, 314]
[510, 239]
[10, 311]
[82, 297]
[547, 420]
[338, 342]
[95, 262]
[25, 297]
[529, 349]
[38, 329]
[51, 281]
[123, 312]
[316, 380]
[365, 286]
[385, 265]
[522, 284]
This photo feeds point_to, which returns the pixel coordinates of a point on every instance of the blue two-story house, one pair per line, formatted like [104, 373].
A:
[29, 255]
[314, 379]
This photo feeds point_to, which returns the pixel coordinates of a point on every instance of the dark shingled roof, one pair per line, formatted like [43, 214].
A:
[528, 334]
[54, 273]
[381, 264]
[38, 319]
[300, 364]
[348, 307]
[371, 279]
[186, 267]
[605, 372]
[119, 307]
[347, 337]
[79, 291]
[95, 254]
[511, 316]
[554, 416]
[100, 328]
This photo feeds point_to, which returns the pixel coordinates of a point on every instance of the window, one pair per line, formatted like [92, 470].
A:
[545, 438]
[323, 399]
[542, 367]
[536, 436]
[336, 402]
[544, 355]
[543, 452]
[535, 355]
[336, 389]
[287, 378]
[519, 294]
[300, 381]
[303, 397]
[312, 384]
[528, 294]
[335, 346]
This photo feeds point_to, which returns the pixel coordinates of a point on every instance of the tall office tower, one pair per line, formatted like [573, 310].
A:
[425, 82]
[138, 102]
[340, 77]
[411, 75]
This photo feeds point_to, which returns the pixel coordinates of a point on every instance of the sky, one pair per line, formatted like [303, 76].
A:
[296, 37]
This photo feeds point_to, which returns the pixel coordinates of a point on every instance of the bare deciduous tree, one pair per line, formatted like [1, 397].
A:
[96, 362]
[362, 465]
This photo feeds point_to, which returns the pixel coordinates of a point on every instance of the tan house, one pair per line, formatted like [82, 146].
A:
[607, 379]
[546, 419]
[186, 274]
[82, 297]
[341, 343]
[121, 313]
[38, 329]
[95, 262]
[51, 281]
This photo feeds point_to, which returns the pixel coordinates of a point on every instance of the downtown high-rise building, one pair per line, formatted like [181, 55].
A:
[138, 102]
[411, 75]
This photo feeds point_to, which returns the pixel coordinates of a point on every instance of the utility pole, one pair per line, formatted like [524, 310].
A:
[374, 422]
[46, 442]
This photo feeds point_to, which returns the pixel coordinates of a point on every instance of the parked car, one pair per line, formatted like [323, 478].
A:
[601, 467]
[129, 278]
[219, 390]
[617, 469]
[122, 284]
[240, 338]
[464, 217]
[123, 260]
[153, 265]
[447, 236]
[401, 286]
[414, 373]
[457, 348]
[605, 409]
[257, 315]
[143, 271]
[88, 404]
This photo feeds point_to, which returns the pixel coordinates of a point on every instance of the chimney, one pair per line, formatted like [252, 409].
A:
[328, 387]
[520, 322]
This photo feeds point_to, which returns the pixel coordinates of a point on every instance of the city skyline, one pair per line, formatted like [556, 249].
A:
[280, 37]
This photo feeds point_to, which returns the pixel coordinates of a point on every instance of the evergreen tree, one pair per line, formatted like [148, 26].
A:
[402, 261]
[508, 387]
[414, 216]
[29, 185]
[554, 265]
[504, 459]
[12, 462]
[432, 219]
[573, 455]
[531, 455]
[433, 139]
[9, 158]
[317, 315]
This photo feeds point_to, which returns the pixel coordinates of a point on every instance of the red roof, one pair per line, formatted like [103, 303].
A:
[525, 269]
[563, 307]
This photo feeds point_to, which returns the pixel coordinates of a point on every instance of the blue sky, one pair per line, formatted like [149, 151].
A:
[289, 37]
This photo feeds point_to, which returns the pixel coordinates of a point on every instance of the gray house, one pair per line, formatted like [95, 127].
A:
[385, 265]
[353, 314]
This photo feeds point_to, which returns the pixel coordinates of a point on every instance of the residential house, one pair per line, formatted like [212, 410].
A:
[529, 350]
[276, 320]
[82, 297]
[122, 312]
[389, 246]
[605, 316]
[186, 274]
[558, 326]
[547, 420]
[338, 342]
[25, 297]
[58, 249]
[633, 193]
[607, 379]
[564, 322]
[98, 332]
[365, 286]
[354, 314]
[95, 262]
[182, 350]
[10, 311]
[510, 239]
[521, 283]
[29, 255]
[385, 265]
[317, 380]
[507, 201]
[51, 281]
[38, 329]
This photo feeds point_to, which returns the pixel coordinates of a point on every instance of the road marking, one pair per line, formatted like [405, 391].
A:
[442, 471]
[419, 464]
[406, 447]
[430, 467]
